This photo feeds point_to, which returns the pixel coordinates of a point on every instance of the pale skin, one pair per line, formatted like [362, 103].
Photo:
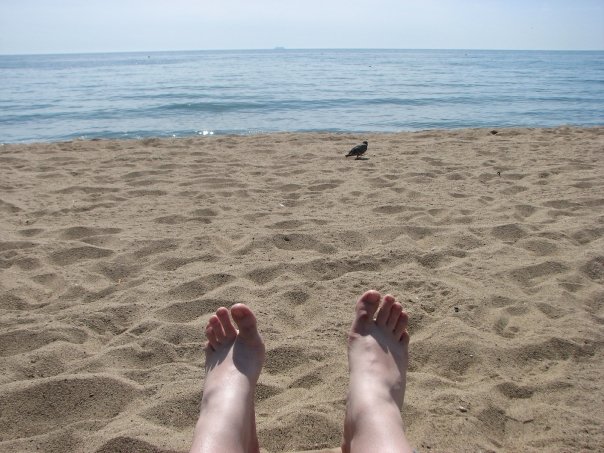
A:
[378, 344]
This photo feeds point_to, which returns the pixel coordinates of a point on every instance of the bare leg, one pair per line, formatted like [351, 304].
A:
[234, 359]
[377, 358]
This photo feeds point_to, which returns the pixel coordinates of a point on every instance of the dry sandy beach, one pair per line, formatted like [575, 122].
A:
[113, 255]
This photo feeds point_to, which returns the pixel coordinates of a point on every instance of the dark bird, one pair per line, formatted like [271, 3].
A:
[358, 150]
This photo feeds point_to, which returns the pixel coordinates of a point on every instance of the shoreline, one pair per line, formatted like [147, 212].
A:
[114, 253]
[213, 134]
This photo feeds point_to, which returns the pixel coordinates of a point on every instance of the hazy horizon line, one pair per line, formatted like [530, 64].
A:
[282, 48]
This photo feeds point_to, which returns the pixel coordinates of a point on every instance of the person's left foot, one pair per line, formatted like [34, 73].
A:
[234, 359]
[243, 349]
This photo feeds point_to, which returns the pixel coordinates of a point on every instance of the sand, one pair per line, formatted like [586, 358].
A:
[113, 254]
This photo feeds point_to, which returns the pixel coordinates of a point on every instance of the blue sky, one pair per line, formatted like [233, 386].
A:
[65, 26]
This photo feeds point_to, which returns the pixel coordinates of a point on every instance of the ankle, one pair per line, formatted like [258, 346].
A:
[374, 390]
[374, 428]
[360, 406]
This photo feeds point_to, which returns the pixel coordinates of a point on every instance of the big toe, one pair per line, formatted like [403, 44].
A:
[246, 321]
[365, 309]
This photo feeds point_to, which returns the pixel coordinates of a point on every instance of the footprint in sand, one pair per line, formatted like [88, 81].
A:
[323, 186]
[83, 232]
[594, 269]
[283, 358]
[172, 264]
[24, 340]
[540, 247]
[264, 275]
[515, 391]
[30, 232]
[154, 247]
[178, 413]
[131, 444]
[509, 232]
[9, 208]
[117, 271]
[200, 286]
[73, 255]
[299, 242]
[65, 399]
[529, 276]
[390, 209]
[552, 349]
[147, 193]
[525, 210]
[173, 219]
[325, 431]
[191, 310]
[10, 301]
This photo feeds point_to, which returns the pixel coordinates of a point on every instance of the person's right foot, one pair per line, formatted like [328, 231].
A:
[378, 357]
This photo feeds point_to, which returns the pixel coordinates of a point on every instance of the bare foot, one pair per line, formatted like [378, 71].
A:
[377, 357]
[234, 359]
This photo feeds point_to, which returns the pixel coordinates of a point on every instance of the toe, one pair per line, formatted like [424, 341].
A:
[216, 326]
[401, 325]
[365, 308]
[229, 330]
[211, 336]
[405, 319]
[385, 309]
[369, 303]
[395, 313]
[245, 320]
[405, 338]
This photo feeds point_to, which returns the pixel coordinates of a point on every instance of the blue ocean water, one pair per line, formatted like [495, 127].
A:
[162, 94]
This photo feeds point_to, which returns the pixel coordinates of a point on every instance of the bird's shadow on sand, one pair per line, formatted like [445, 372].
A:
[362, 158]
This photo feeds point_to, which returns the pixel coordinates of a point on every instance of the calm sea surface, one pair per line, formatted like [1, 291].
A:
[133, 95]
